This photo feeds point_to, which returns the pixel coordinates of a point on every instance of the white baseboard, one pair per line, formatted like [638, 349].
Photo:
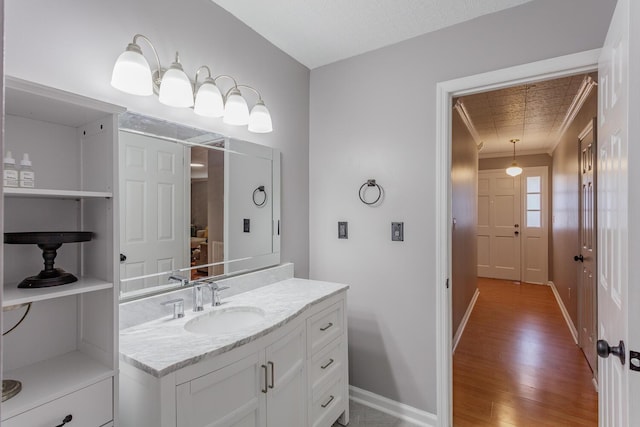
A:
[405, 412]
[465, 320]
[565, 313]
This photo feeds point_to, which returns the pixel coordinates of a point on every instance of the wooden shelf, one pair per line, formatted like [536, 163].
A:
[14, 295]
[55, 194]
[51, 379]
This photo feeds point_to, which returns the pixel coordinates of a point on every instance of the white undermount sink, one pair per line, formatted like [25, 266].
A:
[225, 320]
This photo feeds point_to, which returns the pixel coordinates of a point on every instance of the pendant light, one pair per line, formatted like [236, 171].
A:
[514, 169]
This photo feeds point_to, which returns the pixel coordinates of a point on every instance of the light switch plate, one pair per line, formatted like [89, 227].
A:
[343, 230]
[397, 231]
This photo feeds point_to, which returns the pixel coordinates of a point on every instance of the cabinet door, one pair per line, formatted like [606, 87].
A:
[286, 396]
[231, 396]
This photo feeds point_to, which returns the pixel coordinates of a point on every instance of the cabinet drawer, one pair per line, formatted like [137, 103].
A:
[91, 407]
[324, 327]
[326, 362]
[328, 404]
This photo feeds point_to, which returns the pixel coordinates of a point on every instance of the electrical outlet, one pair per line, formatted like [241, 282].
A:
[247, 225]
[397, 231]
[343, 230]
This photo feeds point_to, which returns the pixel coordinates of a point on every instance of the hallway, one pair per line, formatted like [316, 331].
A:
[517, 365]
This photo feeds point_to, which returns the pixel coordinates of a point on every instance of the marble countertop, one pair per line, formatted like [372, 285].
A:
[162, 346]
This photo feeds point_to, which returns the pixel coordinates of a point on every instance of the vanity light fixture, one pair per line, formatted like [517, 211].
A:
[132, 74]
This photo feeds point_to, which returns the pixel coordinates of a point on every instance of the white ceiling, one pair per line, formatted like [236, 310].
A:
[319, 32]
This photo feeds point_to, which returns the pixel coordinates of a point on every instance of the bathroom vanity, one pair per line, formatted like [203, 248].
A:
[272, 356]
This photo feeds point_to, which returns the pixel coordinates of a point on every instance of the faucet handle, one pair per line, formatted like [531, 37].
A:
[178, 307]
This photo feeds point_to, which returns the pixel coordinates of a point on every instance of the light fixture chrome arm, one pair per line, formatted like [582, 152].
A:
[155, 54]
[253, 89]
[235, 83]
[203, 67]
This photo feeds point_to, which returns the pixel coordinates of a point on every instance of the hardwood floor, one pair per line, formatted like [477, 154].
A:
[517, 364]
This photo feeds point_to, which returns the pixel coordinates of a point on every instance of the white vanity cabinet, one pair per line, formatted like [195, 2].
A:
[65, 351]
[264, 389]
[294, 376]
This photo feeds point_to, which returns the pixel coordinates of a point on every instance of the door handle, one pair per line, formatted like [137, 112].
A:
[516, 232]
[604, 350]
[273, 375]
[578, 258]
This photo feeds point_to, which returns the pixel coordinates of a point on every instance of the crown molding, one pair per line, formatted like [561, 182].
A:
[466, 119]
[578, 101]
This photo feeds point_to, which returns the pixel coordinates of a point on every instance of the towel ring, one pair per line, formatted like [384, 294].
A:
[370, 183]
[259, 190]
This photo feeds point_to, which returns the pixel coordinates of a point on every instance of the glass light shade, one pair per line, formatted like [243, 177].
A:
[175, 88]
[131, 73]
[236, 111]
[514, 169]
[209, 101]
[260, 119]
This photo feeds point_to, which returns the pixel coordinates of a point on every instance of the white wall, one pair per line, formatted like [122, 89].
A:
[73, 44]
[374, 116]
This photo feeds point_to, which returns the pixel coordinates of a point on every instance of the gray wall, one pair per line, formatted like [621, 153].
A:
[72, 45]
[374, 116]
[566, 214]
[464, 208]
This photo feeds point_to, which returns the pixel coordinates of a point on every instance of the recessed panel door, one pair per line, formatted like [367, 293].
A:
[152, 208]
[498, 228]
[616, 100]
[587, 261]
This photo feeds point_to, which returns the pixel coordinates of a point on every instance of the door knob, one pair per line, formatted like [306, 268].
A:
[123, 257]
[578, 258]
[604, 350]
[516, 232]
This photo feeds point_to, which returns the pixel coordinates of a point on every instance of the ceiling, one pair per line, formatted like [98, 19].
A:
[501, 115]
[319, 32]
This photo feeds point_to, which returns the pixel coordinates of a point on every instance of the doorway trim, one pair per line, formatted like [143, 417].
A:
[561, 66]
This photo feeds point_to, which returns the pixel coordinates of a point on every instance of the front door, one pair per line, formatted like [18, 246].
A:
[616, 98]
[498, 227]
[587, 308]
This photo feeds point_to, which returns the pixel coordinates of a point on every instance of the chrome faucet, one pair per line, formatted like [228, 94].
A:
[215, 293]
[184, 281]
[197, 296]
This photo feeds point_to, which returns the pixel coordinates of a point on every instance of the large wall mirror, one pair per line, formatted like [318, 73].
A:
[194, 204]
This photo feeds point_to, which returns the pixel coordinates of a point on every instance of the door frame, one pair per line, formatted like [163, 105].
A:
[578, 63]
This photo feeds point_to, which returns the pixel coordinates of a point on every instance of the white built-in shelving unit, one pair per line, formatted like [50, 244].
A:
[66, 350]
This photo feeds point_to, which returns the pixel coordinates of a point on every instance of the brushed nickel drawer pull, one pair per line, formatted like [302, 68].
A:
[328, 401]
[327, 364]
[326, 327]
[266, 381]
[273, 369]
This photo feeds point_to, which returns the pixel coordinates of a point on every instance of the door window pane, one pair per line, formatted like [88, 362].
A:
[533, 219]
[533, 202]
[533, 184]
